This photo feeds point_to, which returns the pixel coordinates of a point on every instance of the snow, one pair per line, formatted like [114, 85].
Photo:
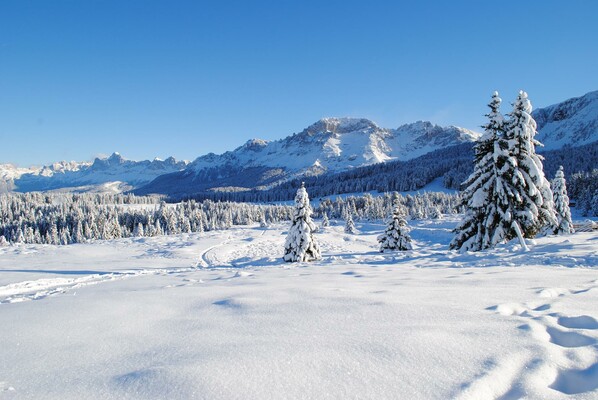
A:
[220, 315]
[106, 175]
[572, 122]
[339, 144]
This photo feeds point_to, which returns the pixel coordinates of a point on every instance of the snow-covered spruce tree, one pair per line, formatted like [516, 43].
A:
[486, 196]
[435, 213]
[533, 209]
[396, 236]
[138, 232]
[349, 224]
[325, 220]
[300, 244]
[561, 204]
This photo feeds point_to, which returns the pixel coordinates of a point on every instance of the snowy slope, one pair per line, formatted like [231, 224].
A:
[135, 319]
[329, 145]
[571, 123]
[103, 174]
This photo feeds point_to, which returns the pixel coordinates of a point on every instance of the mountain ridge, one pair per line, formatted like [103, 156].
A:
[570, 122]
[86, 175]
[329, 145]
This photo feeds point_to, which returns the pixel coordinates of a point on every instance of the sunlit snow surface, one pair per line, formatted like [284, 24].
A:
[220, 316]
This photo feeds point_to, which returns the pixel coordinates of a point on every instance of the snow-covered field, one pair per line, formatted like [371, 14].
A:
[220, 316]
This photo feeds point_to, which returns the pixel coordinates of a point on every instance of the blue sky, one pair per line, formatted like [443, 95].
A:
[184, 78]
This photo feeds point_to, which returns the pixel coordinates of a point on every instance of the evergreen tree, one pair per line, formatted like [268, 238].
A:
[396, 236]
[349, 224]
[507, 195]
[533, 208]
[435, 213]
[262, 219]
[300, 244]
[486, 196]
[561, 204]
[325, 220]
[138, 232]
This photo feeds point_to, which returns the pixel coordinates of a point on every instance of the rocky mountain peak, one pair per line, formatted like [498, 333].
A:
[341, 125]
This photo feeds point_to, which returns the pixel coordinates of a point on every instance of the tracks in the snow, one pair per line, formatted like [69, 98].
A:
[565, 360]
[207, 259]
[46, 287]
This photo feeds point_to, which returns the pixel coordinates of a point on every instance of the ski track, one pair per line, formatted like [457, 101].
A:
[565, 342]
[42, 288]
[47, 287]
[209, 258]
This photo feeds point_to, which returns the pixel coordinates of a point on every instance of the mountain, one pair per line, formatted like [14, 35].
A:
[327, 146]
[103, 174]
[448, 168]
[573, 122]
[9, 172]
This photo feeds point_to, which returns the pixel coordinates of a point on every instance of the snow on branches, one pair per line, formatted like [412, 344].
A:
[564, 224]
[300, 244]
[507, 195]
[396, 236]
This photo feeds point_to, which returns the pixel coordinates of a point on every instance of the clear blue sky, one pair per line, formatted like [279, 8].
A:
[184, 78]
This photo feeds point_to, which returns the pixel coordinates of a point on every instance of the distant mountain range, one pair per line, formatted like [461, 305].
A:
[111, 174]
[329, 146]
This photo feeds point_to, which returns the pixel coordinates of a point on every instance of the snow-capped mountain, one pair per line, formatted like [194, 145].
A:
[9, 172]
[571, 123]
[329, 145]
[103, 174]
[336, 144]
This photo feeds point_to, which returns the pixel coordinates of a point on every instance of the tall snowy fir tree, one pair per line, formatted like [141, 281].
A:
[486, 196]
[533, 210]
[300, 244]
[396, 236]
[564, 224]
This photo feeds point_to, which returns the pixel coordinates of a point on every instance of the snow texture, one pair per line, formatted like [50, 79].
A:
[136, 319]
